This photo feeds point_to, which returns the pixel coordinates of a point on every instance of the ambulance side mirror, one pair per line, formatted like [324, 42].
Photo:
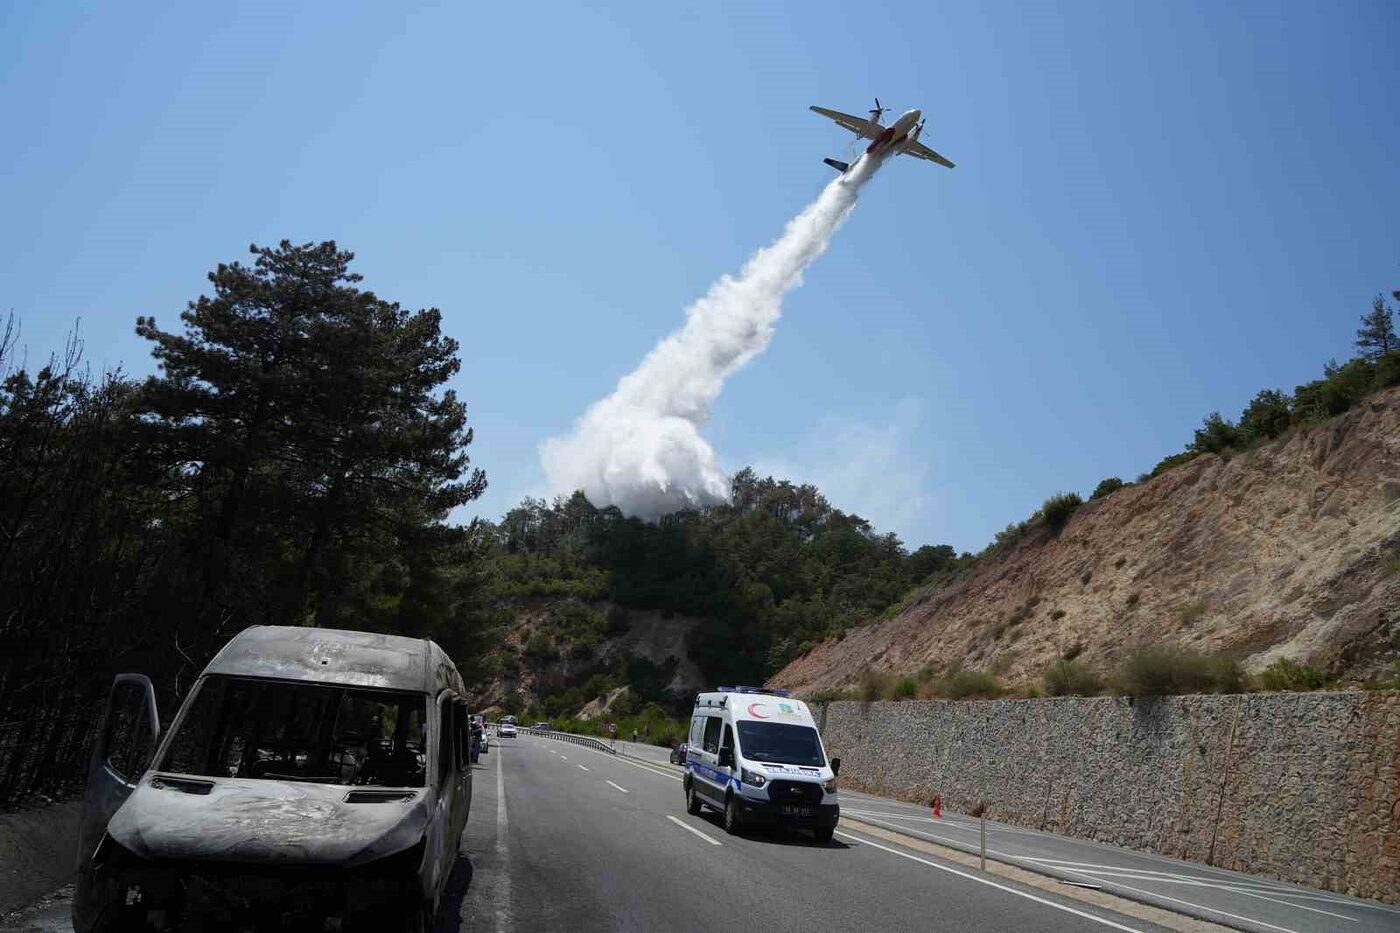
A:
[836, 766]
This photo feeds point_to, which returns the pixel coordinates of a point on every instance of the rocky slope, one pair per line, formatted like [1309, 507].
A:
[660, 638]
[1291, 549]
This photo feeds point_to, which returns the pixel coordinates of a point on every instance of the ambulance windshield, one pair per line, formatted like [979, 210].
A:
[780, 743]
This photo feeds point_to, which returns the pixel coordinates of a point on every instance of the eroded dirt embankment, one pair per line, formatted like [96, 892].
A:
[1291, 549]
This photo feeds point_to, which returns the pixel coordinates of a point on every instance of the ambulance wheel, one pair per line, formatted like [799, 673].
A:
[692, 801]
[731, 816]
[823, 833]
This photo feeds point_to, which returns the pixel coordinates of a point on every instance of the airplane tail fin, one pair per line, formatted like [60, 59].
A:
[842, 167]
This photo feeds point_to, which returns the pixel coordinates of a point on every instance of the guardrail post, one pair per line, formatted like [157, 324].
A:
[980, 811]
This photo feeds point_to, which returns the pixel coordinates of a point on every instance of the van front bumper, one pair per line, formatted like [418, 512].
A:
[818, 816]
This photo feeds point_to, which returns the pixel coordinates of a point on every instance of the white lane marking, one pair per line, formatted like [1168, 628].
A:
[563, 757]
[1198, 883]
[651, 768]
[627, 761]
[1006, 856]
[1177, 900]
[1124, 871]
[582, 768]
[1001, 887]
[623, 789]
[502, 881]
[1204, 872]
[692, 829]
[1257, 885]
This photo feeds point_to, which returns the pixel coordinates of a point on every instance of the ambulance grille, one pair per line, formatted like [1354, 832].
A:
[797, 792]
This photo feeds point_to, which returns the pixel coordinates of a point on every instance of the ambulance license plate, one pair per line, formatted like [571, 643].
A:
[797, 811]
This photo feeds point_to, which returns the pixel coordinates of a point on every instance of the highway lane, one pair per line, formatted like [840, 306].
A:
[587, 841]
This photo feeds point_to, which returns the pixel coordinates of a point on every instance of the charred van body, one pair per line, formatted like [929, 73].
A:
[313, 779]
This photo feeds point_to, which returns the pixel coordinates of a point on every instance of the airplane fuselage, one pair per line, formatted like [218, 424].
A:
[893, 138]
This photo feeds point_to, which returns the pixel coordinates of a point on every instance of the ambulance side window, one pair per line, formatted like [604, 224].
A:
[697, 731]
[712, 727]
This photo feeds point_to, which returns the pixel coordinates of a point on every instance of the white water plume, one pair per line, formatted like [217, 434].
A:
[640, 447]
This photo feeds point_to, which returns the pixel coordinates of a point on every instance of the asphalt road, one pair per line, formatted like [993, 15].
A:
[563, 838]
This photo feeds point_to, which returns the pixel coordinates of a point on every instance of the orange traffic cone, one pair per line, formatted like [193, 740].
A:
[937, 807]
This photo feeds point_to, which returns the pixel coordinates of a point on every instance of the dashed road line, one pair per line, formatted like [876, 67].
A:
[620, 787]
[692, 829]
[582, 768]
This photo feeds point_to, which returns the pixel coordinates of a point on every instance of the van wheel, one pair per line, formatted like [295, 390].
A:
[823, 833]
[693, 806]
[731, 817]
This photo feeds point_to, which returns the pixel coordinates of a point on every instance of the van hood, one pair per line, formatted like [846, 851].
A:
[255, 820]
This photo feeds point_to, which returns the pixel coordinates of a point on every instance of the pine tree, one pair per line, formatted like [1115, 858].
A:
[1377, 335]
[322, 452]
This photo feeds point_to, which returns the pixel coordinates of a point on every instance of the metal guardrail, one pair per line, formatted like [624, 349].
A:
[587, 741]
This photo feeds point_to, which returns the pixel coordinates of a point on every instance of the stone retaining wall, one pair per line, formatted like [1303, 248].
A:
[1303, 787]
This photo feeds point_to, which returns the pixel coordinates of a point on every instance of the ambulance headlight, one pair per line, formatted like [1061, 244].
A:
[752, 778]
[829, 786]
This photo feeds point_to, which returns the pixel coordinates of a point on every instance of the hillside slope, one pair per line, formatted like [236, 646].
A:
[661, 639]
[1290, 549]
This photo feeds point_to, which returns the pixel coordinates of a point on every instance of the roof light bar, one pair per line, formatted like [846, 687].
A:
[766, 691]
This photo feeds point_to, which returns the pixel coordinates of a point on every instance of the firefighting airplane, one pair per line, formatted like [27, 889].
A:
[900, 137]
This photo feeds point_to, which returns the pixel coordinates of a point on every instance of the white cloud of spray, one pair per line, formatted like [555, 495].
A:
[877, 471]
[640, 448]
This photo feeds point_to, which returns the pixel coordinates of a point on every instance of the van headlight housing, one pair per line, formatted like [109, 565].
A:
[752, 778]
[829, 786]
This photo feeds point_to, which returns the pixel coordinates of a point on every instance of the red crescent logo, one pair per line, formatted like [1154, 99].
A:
[754, 710]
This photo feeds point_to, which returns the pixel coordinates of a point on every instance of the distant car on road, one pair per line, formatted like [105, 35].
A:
[506, 729]
[543, 726]
[480, 734]
[678, 754]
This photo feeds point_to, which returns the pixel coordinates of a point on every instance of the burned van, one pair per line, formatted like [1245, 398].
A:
[313, 779]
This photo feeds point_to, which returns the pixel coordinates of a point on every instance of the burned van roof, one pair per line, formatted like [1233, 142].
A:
[363, 659]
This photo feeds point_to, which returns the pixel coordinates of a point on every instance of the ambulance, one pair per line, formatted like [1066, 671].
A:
[755, 756]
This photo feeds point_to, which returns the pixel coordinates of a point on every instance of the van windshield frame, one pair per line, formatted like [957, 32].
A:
[250, 727]
[780, 743]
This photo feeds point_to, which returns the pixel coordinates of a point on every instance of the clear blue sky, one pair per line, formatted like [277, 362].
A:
[1159, 208]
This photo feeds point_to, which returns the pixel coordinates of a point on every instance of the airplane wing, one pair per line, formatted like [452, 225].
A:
[858, 125]
[919, 151]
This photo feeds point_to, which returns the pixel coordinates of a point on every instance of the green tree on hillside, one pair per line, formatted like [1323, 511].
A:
[1267, 415]
[1377, 335]
[1215, 435]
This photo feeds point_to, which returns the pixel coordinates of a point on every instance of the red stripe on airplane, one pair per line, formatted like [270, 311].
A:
[880, 140]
